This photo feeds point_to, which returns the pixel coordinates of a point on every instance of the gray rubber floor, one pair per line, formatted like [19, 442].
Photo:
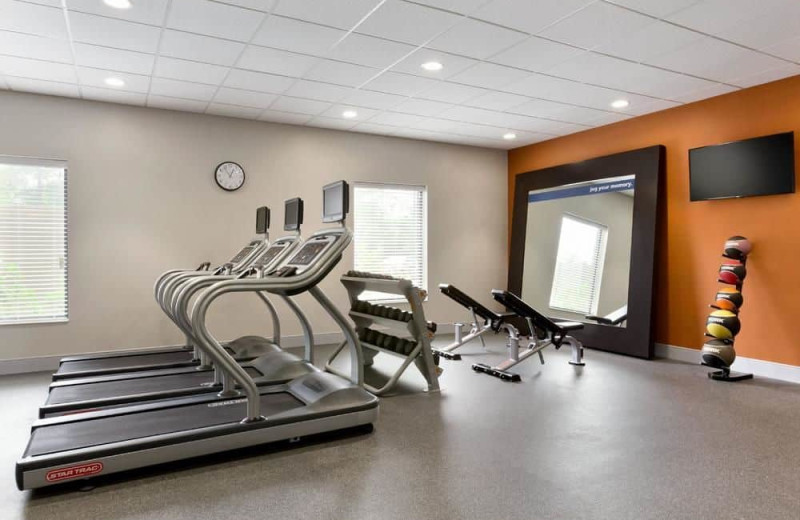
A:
[620, 439]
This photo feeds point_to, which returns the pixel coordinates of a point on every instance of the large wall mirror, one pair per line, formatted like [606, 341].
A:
[583, 245]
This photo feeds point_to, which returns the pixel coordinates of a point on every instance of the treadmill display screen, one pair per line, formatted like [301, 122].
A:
[293, 217]
[308, 253]
[269, 255]
[242, 254]
[335, 201]
[262, 220]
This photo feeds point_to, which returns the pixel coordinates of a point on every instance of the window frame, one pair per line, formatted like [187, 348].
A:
[420, 188]
[49, 163]
[598, 268]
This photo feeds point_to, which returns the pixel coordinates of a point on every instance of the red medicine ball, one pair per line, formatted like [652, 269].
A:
[732, 272]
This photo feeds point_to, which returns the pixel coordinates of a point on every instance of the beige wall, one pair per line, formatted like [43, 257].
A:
[142, 199]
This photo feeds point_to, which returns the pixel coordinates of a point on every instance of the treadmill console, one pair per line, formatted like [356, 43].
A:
[270, 254]
[245, 252]
[310, 253]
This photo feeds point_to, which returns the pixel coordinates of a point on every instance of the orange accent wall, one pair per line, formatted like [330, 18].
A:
[692, 234]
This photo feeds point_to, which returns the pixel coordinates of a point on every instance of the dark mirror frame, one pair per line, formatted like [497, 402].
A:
[647, 164]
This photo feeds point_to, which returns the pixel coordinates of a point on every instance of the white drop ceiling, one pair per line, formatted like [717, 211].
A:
[534, 68]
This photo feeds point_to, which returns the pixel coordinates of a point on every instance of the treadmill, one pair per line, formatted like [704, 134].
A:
[87, 365]
[74, 447]
[271, 366]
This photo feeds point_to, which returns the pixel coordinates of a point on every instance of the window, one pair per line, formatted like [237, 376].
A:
[579, 265]
[33, 241]
[390, 232]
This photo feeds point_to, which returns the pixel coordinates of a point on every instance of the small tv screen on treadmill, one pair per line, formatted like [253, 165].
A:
[335, 201]
[262, 220]
[293, 216]
[308, 253]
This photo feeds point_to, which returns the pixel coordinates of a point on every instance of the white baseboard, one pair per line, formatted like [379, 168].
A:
[757, 367]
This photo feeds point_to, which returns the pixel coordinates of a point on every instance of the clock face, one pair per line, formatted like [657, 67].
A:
[229, 176]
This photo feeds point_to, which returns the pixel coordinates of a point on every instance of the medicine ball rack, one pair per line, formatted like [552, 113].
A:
[725, 373]
[409, 334]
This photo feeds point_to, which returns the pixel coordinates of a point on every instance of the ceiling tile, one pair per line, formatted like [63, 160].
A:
[151, 12]
[714, 16]
[536, 54]
[258, 5]
[560, 112]
[244, 98]
[788, 49]
[371, 99]
[32, 19]
[199, 48]
[275, 116]
[395, 119]
[717, 60]
[248, 80]
[527, 16]
[340, 73]
[405, 22]
[96, 78]
[476, 39]
[715, 89]
[275, 61]
[297, 36]
[299, 106]
[214, 19]
[35, 47]
[421, 107]
[35, 69]
[113, 59]
[37, 86]
[319, 91]
[435, 125]
[189, 71]
[500, 101]
[108, 32]
[369, 51]
[608, 118]
[597, 24]
[372, 128]
[652, 40]
[114, 96]
[342, 14]
[767, 76]
[185, 105]
[401, 84]
[51, 3]
[657, 8]
[451, 92]
[336, 111]
[452, 64]
[181, 89]
[489, 75]
[334, 124]
[771, 26]
[456, 6]
[221, 109]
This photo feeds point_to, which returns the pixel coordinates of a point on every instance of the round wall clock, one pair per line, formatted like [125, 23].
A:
[229, 176]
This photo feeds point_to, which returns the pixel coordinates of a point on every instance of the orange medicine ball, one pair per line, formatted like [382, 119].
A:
[729, 299]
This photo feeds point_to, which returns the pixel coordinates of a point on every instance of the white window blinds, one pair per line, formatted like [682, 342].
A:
[579, 265]
[33, 241]
[390, 232]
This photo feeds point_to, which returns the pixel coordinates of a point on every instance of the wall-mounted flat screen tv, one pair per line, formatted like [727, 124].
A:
[759, 166]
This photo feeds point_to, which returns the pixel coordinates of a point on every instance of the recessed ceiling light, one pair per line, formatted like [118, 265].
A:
[620, 103]
[509, 136]
[115, 82]
[119, 4]
[432, 66]
[349, 114]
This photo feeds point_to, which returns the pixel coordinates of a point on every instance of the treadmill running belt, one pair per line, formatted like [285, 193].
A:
[163, 358]
[84, 434]
[139, 385]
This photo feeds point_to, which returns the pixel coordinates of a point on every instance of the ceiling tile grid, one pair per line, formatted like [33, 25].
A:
[497, 73]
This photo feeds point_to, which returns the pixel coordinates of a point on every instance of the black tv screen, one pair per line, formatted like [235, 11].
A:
[293, 214]
[759, 166]
[335, 201]
[262, 220]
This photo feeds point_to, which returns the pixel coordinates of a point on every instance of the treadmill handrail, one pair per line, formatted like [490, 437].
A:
[225, 361]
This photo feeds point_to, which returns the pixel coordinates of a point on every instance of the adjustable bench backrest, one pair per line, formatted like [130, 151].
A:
[539, 320]
[460, 297]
